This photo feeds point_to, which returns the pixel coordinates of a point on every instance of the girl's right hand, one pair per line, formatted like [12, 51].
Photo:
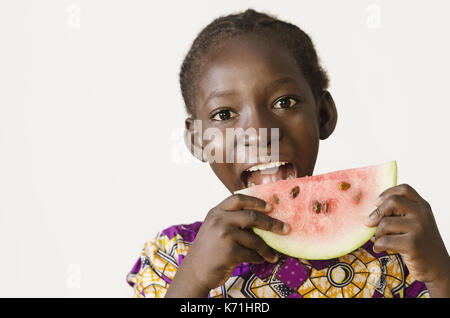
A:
[225, 240]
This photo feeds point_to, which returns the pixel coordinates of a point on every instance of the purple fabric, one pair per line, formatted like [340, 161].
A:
[242, 269]
[321, 264]
[368, 246]
[180, 259]
[295, 295]
[136, 268]
[413, 290]
[376, 294]
[263, 270]
[166, 279]
[187, 231]
[293, 273]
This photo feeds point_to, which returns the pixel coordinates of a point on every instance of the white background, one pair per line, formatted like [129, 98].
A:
[90, 108]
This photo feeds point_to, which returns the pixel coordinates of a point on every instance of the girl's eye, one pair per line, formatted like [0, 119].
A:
[224, 114]
[285, 102]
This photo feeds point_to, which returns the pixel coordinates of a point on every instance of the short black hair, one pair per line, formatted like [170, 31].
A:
[248, 23]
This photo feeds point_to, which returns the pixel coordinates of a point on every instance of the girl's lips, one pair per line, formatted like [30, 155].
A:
[267, 173]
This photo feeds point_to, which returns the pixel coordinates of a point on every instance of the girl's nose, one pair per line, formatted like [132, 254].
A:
[263, 130]
[263, 136]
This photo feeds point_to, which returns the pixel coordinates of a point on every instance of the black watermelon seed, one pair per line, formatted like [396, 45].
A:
[276, 200]
[316, 207]
[344, 186]
[295, 191]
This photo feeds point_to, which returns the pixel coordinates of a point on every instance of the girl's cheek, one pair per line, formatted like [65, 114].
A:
[227, 147]
[213, 151]
[214, 145]
[309, 130]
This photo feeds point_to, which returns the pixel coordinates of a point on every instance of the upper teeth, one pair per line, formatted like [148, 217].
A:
[268, 165]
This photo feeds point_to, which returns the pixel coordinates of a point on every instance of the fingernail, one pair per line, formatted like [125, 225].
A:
[275, 258]
[379, 201]
[373, 216]
[268, 207]
[286, 228]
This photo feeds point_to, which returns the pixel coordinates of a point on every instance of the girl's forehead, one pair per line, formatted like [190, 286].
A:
[245, 66]
[249, 51]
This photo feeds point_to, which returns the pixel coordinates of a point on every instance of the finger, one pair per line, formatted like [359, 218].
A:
[240, 201]
[395, 205]
[249, 255]
[254, 242]
[400, 190]
[392, 225]
[250, 218]
[394, 242]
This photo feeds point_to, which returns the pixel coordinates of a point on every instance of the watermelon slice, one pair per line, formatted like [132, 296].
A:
[327, 212]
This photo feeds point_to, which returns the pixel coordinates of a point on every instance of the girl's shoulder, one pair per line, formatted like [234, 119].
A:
[159, 259]
[184, 232]
[172, 242]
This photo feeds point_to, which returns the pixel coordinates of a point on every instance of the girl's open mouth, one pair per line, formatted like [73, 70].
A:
[268, 172]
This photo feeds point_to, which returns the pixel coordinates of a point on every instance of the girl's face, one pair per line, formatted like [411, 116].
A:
[250, 83]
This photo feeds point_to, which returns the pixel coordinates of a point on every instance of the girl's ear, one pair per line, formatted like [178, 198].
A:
[193, 137]
[327, 115]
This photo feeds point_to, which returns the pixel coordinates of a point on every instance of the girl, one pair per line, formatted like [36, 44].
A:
[251, 70]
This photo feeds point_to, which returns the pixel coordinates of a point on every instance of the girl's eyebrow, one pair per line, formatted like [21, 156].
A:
[271, 86]
[218, 93]
[278, 82]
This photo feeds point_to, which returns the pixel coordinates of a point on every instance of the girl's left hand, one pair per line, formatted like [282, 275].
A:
[406, 225]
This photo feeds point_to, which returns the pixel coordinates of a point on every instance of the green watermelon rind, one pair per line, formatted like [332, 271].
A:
[279, 242]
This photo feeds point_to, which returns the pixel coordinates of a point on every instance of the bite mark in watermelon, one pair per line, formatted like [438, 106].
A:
[327, 212]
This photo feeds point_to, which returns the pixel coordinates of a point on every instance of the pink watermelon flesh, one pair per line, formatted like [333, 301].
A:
[327, 212]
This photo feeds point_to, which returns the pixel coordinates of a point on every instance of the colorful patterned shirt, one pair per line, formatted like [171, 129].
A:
[361, 273]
